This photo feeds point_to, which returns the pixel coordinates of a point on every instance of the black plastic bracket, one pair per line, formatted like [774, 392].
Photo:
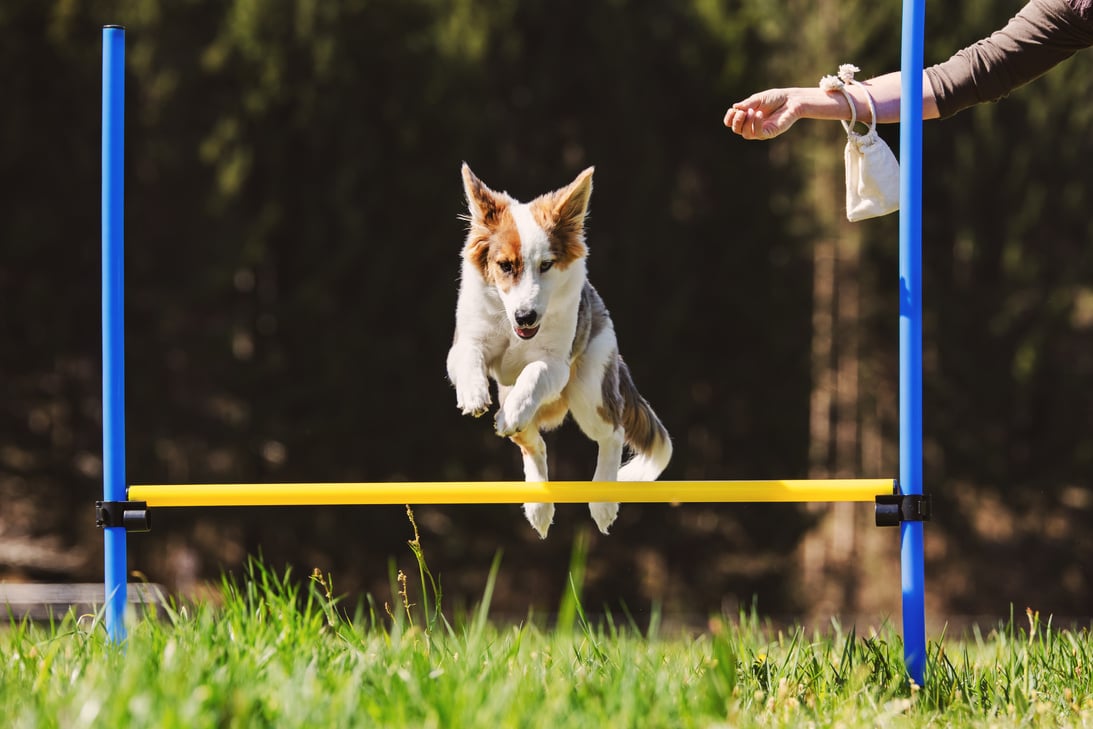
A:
[132, 515]
[893, 509]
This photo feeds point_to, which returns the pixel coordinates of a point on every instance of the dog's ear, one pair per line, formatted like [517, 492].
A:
[573, 198]
[484, 204]
[486, 207]
[571, 205]
[561, 214]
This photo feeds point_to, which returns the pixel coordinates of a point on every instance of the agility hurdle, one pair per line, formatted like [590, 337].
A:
[511, 492]
[899, 502]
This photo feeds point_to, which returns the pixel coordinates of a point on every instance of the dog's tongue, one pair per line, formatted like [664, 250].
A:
[526, 333]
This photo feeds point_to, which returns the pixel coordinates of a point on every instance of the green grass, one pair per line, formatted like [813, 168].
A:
[277, 653]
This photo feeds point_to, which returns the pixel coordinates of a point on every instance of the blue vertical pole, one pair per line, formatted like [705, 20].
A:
[113, 325]
[912, 561]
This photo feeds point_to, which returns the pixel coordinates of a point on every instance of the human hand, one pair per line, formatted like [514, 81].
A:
[764, 115]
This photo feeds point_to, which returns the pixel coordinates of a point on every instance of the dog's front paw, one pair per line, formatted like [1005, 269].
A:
[541, 516]
[511, 420]
[604, 513]
[472, 396]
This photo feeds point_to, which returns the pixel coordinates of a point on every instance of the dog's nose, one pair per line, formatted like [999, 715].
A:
[527, 318]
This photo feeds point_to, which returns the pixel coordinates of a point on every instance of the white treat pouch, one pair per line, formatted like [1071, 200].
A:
[872, 172]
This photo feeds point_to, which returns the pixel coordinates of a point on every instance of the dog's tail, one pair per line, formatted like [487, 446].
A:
[645, 434]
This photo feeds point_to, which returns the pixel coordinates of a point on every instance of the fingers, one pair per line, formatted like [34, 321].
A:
[748, 123]
[735, 119]
[749, 118]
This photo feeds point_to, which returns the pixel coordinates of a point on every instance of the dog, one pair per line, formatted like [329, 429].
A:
[527, 317]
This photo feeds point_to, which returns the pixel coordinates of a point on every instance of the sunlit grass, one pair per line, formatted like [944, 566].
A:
[279, 652]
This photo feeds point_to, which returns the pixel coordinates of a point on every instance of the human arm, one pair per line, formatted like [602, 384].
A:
[769, 113]
[1043, 34]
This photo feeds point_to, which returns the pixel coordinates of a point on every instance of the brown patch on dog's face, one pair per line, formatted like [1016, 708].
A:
[561, 214]
[495, 252]
[504, 261]
[493, 241]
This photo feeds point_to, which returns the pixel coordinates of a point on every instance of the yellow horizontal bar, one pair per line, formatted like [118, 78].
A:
[511, 492]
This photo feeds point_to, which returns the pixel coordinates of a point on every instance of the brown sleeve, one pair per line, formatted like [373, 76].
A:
[1043, 34]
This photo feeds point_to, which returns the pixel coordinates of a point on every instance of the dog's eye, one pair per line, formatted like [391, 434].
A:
[545, 266]
[505, 266]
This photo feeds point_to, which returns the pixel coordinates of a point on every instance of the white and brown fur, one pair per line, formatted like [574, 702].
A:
[528, 318]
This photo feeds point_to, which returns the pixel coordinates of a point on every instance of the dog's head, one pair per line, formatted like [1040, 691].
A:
[526, 250]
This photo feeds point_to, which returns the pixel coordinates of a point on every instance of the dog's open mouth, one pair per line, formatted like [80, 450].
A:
[526, 333]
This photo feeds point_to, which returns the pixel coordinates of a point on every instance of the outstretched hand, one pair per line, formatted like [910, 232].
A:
[764, 115]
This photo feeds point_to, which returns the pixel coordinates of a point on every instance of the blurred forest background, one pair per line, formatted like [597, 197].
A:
[293, 242]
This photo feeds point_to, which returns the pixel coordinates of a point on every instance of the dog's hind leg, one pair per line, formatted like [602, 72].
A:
[609, 456]
[610, 438]
[533, 449]
[607, 469]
